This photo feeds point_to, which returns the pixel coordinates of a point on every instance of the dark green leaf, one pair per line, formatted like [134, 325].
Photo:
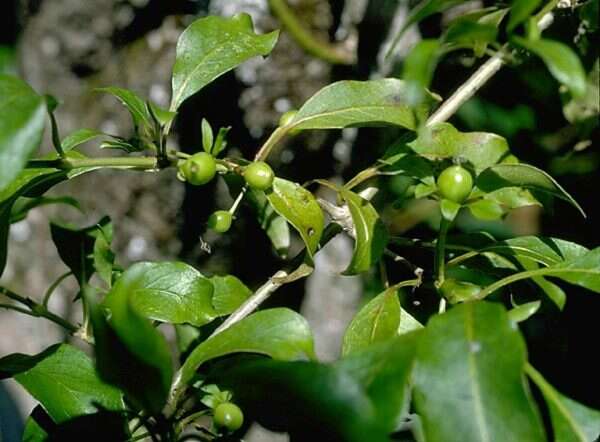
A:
[300, 208]
[76, 247]
[562, 62]
[63, 379]
[279, 333]
[370, 233]
[385, 371]
[229, 293]
[377, 321]
[23, 205]
[443, 141]
[418, 69]
[305, 399]
[360, 103]
[212, 46]
[468, 387]
[521, 10]
[22, 116]
[130, 352]
[522, 175]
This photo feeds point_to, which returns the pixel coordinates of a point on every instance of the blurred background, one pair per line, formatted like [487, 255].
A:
[69, 47]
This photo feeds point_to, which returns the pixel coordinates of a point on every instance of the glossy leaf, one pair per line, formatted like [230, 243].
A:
[418, 69]
[370, 233]
[468, 387]
[562, 62]
[571, 421]
[583, 271]
[172, 292]
[443, 141]
[306, 399]
[522, 175]
[134, 104]
[63, 379]
[520, 10]
[76, 246]
[486, 209]
[377, 321]
[360, 103]
[229, 293]
[449, 209]
[300, 208]
[212, 46]
[22, 117]
[104, 257]
[79, 137]
[385, 371]
[130, 352]
[207, 136]
[274, 225]
[279, 333]
[523, 312]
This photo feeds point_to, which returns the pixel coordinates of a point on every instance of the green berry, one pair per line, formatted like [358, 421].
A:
[455, 183]
[220, 221]
[229, 416]
[199, 169]
[287, 118]
[259, 175]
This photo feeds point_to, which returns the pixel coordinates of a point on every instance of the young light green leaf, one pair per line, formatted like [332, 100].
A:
[134, 104]
[229, 293]
[212, 46]
[571, 421]
[279, 333]
[449, 209]
[370, 233]
[562, 62]
[377, 321]
[360, 103]
[486, 209]
[579, 109]
[465, 379]
[207, 136]
[300, 208]
[418, 69]
[385, 371]
[443, 141]
[523, 312]
[63, 379]
[471, 34]
[22, 117]
[79, 137]
[520, 10]
[172, 292]
[522, 175]
[104, 257]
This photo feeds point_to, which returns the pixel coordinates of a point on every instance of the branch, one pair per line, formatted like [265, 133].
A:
[143, 163]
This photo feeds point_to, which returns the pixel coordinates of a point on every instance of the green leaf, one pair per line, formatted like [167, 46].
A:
[523, 312]
[172, 292]
[562, 62]
[522, 175]
[385, 371]
[22, 117]
[274, 225]
[520, 10]
[370, 233]
[279, 333]
[229, 293]
[449, 209]
[300, 208]
[571, 421]
[212, 46]
[306, 399]
[76, 247]
[63, 379]
[360, 103]
[79, 137]
[104, 257]
[469, 33]
[134, 104]
[486, 209]
[377, 321]
[418, 69]
[468, 387]
[207, 136]
[580, 109]
[23, 205]
[34, 426]
[130, 352]
[443, 141]
[583, 271]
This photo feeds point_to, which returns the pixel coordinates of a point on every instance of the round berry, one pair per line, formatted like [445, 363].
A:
[455, 183]
[220, 221]
[229, 416]
[259, 175]
[199, 169]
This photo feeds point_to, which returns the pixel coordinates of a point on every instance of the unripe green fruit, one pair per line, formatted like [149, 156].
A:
[259, 175]
[455, 183]
[199, 169]
[220, 221]
[229, 416]
[287, 117]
